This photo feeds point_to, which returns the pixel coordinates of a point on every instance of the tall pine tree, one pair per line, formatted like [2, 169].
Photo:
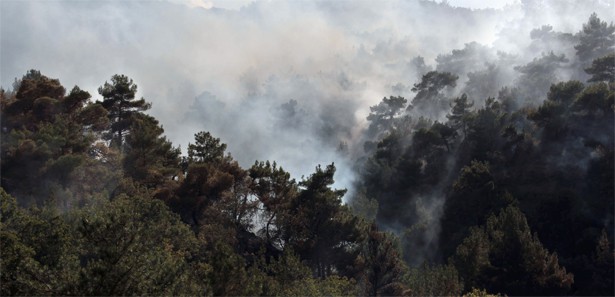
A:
[119, 100]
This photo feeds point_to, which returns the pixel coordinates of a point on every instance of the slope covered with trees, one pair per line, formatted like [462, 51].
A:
[458, 193]
[496, 182]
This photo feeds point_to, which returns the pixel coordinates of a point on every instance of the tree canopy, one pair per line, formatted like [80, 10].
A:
[468, 188]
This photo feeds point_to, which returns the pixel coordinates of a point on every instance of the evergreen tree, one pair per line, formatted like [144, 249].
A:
[553, 114]
[604, 264]
[485, 130]
[433, 280]
[474, 197]
[382, 116]
[597, 39]
[38, 252]
[136, 246]
[602, 69]
[206, 148]
[46, 137]
[275, 190]
[323, 231]
[383, 268]
[539, 74]
[119, 100]
[460, 113]
[429, 98]
[35, 100]
[504, 256]
[150, 158]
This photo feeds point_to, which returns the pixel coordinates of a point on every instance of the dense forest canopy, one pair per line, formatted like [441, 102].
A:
[483, 172]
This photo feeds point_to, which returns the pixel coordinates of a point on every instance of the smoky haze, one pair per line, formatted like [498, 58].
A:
[276, 80]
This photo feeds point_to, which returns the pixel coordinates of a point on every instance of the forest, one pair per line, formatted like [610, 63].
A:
[473, 186]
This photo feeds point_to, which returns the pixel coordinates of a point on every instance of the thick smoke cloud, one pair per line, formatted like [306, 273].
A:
[282, 80]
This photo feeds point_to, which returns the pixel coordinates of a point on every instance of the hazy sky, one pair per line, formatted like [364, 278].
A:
[276, 80]
[474, 4]
[480, 4]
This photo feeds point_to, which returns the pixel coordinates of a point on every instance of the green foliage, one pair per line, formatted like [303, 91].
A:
[228, 275]
[445, 132]
[19, 269]
[565, 92]
[478, 293]
[364, 206]
[119, 101]
[474, 198]
[462, 61]
[206, 148]
[288, 276]
[150, 158]
[539, 74]
[124, 247]
[215, 193]
[596, 101]
[382, 268]
[603, 259]
[275, 190]
[552, 115]
[46, 137]
[484, 131]
[596, 39]
[322, 231]
[35, 101]
[439, 280]
[39, 252]
[475, 176]
[136, 246]
[385, 116]
[472, 256]
[484, 83]
[433, 82]
[99, 224]
[602, 69]
[503, 256]
[429, 98]
[460, 113]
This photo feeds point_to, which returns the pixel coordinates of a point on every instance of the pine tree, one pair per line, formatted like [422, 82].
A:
[597, 39]
[150, 158]
[429, 98]
[460, 113]
[206, 148]
[383, 267]
[602, 69]
[119, 100]
[504, 256]
[322, 230]
[275, 190]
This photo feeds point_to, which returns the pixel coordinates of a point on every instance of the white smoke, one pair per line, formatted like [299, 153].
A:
[233, 67]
